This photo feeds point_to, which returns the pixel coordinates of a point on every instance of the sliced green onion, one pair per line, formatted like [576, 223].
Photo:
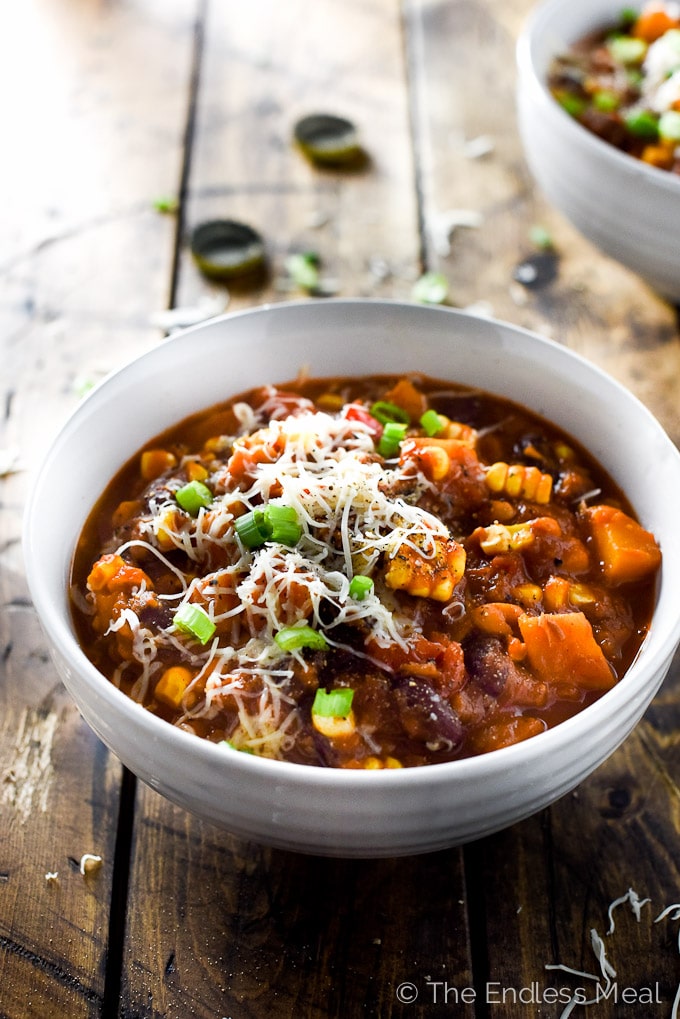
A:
[626, 50]
[194, 620]
[333, 703]
[82, 385]
[286, 534]
[303, 268]
[669, 125]
[541, 238]
[253, 528]
[273, 523]
[360, 587]
[393, 433]
[627, 17]
[643, 124]
[193, 496]
[166, 204]
[292, 638]
[284, 523]
[573, 105]
[431, 288]
[431, 423]
[383, 412]
[606, 101]
[228, 745]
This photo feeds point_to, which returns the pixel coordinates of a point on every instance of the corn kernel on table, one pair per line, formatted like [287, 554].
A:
[124, 124]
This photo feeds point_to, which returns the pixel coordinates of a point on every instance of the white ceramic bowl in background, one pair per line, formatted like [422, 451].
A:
[628, 209]
[350, 813]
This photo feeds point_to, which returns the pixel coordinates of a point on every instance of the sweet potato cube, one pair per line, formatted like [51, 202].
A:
[561, 648]
[626, 550]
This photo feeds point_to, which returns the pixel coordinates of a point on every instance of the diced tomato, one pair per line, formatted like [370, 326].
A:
[355, 412]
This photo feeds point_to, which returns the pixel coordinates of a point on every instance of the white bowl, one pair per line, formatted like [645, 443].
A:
[336, 812]
[627, 208]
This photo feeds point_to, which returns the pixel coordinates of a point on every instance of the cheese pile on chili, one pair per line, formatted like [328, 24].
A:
[361, 576]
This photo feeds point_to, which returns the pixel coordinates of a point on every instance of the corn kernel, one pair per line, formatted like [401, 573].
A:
[196, 471]
[495, 476]
[581, 594]
[154, 462]
[164, 524]
[378, 764]
[330, 401]
[528, 594]
[514, 480]
[124, 511]
[544, 489]
[334, 728]
[437, 462]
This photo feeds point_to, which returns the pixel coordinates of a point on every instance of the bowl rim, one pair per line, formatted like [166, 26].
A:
[536, 23]
[483, 766]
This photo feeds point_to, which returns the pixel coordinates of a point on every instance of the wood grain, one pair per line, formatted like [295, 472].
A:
[119, 104]
[462, 58]
[269, 931]
[539, 890]
[84, 261]
[262, 68]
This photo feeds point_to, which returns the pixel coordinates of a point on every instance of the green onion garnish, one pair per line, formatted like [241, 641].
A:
[228, 745]
[273, 523]
[360, 587]
[195, 621]
[333, 703]
[626, 50]
[166, 204]
[284, 523]
[303, 268]
[393, 433]
[431, 423]
[431, 288]
[384, 412]
[573, 105]
[606, 101]
[669, 125]
[541, 238]
[193, 496]
[292, 638]
[643, 125]
[253, 528]
[627, 17]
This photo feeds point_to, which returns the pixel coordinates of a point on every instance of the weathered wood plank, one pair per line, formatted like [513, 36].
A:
[223, 927]
[463, 67]
[236, 929]
[262, 69]
[544, 892]
[543, 885]
[84, 261]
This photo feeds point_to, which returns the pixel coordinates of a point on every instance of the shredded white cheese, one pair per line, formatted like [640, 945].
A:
[354, 514]
[89, 863]
[636, 904]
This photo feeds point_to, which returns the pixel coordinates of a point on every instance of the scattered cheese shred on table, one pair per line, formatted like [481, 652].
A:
[89, 863]
[9, 462]
[607, 971]
[636, 904]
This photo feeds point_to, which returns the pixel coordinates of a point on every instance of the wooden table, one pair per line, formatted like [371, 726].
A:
[106, 107]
